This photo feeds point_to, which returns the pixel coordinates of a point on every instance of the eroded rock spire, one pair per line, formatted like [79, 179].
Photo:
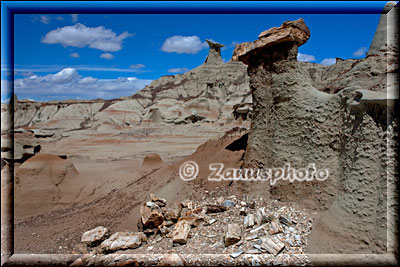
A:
[214, 55]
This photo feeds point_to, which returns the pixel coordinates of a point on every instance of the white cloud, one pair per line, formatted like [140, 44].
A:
[107, 56]
[80, 36]
[69, 84]
[305, 58]
[76, 55]
[137, 66]
[183, 44]
[54, 68]
[74, 18]
[64, 76]
[25, 74]
[328, 61]
[360, 52]
[59, 18]
[88, 80]
[178, 70]
[45, 19]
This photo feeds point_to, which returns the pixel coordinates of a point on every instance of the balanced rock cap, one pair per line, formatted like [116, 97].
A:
[290, 31]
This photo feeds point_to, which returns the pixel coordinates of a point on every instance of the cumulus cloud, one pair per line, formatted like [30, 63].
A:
[178, 70]
[107, 56]
[65, 76]
[76, 55]
[55, 68]
[137, 66]
[305, 57]
[74, 18]
[88, 80]
[360, 52]
[183, 44]
[328, 61]
[67, 83]
[80, 36]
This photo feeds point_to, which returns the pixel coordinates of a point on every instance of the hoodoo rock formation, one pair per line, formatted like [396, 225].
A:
[214, 54]
[347, 129]
[209, 91]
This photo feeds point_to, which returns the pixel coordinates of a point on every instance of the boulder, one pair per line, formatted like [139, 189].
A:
[262, 216]
[174, 212]
[95, 235]
[151, 218]
[215, 208]
[181, 232]
[159, 201]
[249, 221]
[272, 244]
[232, 234]
[123, 240]
[275, 227]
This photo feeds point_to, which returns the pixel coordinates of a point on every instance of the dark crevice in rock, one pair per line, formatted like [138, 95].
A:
[239, 144]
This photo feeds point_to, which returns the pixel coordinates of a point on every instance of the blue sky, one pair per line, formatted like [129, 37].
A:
[85, 56]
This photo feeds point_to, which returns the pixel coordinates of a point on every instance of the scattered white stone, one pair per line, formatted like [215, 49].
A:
[262, 227]
[212, 221]
[180, 234]
[236, 254]
[123, 240]
[152, 205]
[249, 221]
[252, 237]
[272, 244]
[95, 235]
[232, 234]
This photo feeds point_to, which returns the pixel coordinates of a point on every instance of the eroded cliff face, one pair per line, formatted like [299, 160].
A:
[204, 94]
[338, 117]
[207, 92]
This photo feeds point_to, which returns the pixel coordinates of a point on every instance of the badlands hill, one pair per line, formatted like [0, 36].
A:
[206, 93]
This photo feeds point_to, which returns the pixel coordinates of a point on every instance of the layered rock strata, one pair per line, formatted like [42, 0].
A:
[204, 94]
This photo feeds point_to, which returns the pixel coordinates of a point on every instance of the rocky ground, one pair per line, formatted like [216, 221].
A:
[108, 186]
[215, 225]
